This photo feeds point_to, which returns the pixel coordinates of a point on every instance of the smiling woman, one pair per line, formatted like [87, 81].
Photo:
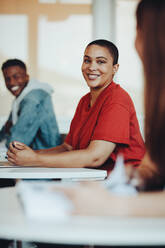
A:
[98, 67]
[104, 124]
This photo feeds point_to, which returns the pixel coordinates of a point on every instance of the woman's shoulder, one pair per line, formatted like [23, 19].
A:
[120, 95]
[84, 98]
[119, 91]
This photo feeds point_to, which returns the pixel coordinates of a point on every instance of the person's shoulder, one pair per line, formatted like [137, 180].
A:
[38, 92]
[84, 98]
[36, 96]
[120, 94]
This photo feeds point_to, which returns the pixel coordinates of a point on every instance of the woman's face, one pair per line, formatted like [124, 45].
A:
[97, 67]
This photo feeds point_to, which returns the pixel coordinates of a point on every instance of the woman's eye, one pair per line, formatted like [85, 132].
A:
[87, 61]
[101, 62]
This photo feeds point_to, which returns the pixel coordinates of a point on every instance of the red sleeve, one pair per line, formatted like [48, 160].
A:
[113, 124]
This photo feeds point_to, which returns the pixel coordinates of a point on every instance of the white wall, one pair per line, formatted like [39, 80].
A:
[52, 44]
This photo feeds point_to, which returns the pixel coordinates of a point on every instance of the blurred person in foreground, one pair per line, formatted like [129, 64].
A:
[32, 119]
[93, 198]
[104, 124]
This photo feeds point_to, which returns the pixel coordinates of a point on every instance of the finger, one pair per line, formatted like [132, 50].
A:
[11, 160]
[130, 170]
[10, 154]
[19, 145]
[12, 149]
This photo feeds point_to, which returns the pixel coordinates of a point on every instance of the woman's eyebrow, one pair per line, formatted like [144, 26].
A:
[100, 57]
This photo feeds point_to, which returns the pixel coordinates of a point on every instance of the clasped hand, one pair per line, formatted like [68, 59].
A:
[20, 154]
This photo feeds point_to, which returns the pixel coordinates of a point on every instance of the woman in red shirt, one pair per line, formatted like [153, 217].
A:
[93, 198]
[104, 123]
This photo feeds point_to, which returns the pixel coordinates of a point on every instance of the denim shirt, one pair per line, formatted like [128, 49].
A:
[36, 125]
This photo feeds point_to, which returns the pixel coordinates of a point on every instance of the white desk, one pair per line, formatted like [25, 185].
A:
[88, 231]
[75, 174]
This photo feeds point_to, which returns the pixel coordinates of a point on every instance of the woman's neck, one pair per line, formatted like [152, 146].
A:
[95, 92]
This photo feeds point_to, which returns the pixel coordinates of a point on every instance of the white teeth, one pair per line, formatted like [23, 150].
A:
[90, 76]
[15, 88]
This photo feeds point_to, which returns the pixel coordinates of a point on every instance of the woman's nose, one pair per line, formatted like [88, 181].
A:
[93, 66]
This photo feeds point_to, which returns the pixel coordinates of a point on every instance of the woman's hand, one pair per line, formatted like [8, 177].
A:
[135, 178]
[146, 176]
[20, 154]
[93, 199]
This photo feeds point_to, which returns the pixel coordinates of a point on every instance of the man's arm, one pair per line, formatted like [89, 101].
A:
[2, 133]
[5, 130]
[27, 125]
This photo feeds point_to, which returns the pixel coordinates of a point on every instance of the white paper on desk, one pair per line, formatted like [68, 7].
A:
[3, 151]
[41, 203]
[118, 181]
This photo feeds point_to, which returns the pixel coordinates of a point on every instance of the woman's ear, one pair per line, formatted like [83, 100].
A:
[115, 68]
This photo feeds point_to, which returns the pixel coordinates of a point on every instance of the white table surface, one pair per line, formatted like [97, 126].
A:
[52, 173]
[77, 230]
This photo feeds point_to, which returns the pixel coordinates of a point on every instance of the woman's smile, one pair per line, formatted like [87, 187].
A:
[92, 76]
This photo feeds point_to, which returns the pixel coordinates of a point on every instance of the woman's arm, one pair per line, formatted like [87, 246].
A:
[91, 198]
[54, 150]
[94, 155]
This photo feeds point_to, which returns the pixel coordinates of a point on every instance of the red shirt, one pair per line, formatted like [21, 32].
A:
[111, 118]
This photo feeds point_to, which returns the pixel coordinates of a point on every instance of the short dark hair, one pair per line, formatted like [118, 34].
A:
[110, 46]
[13, 62]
